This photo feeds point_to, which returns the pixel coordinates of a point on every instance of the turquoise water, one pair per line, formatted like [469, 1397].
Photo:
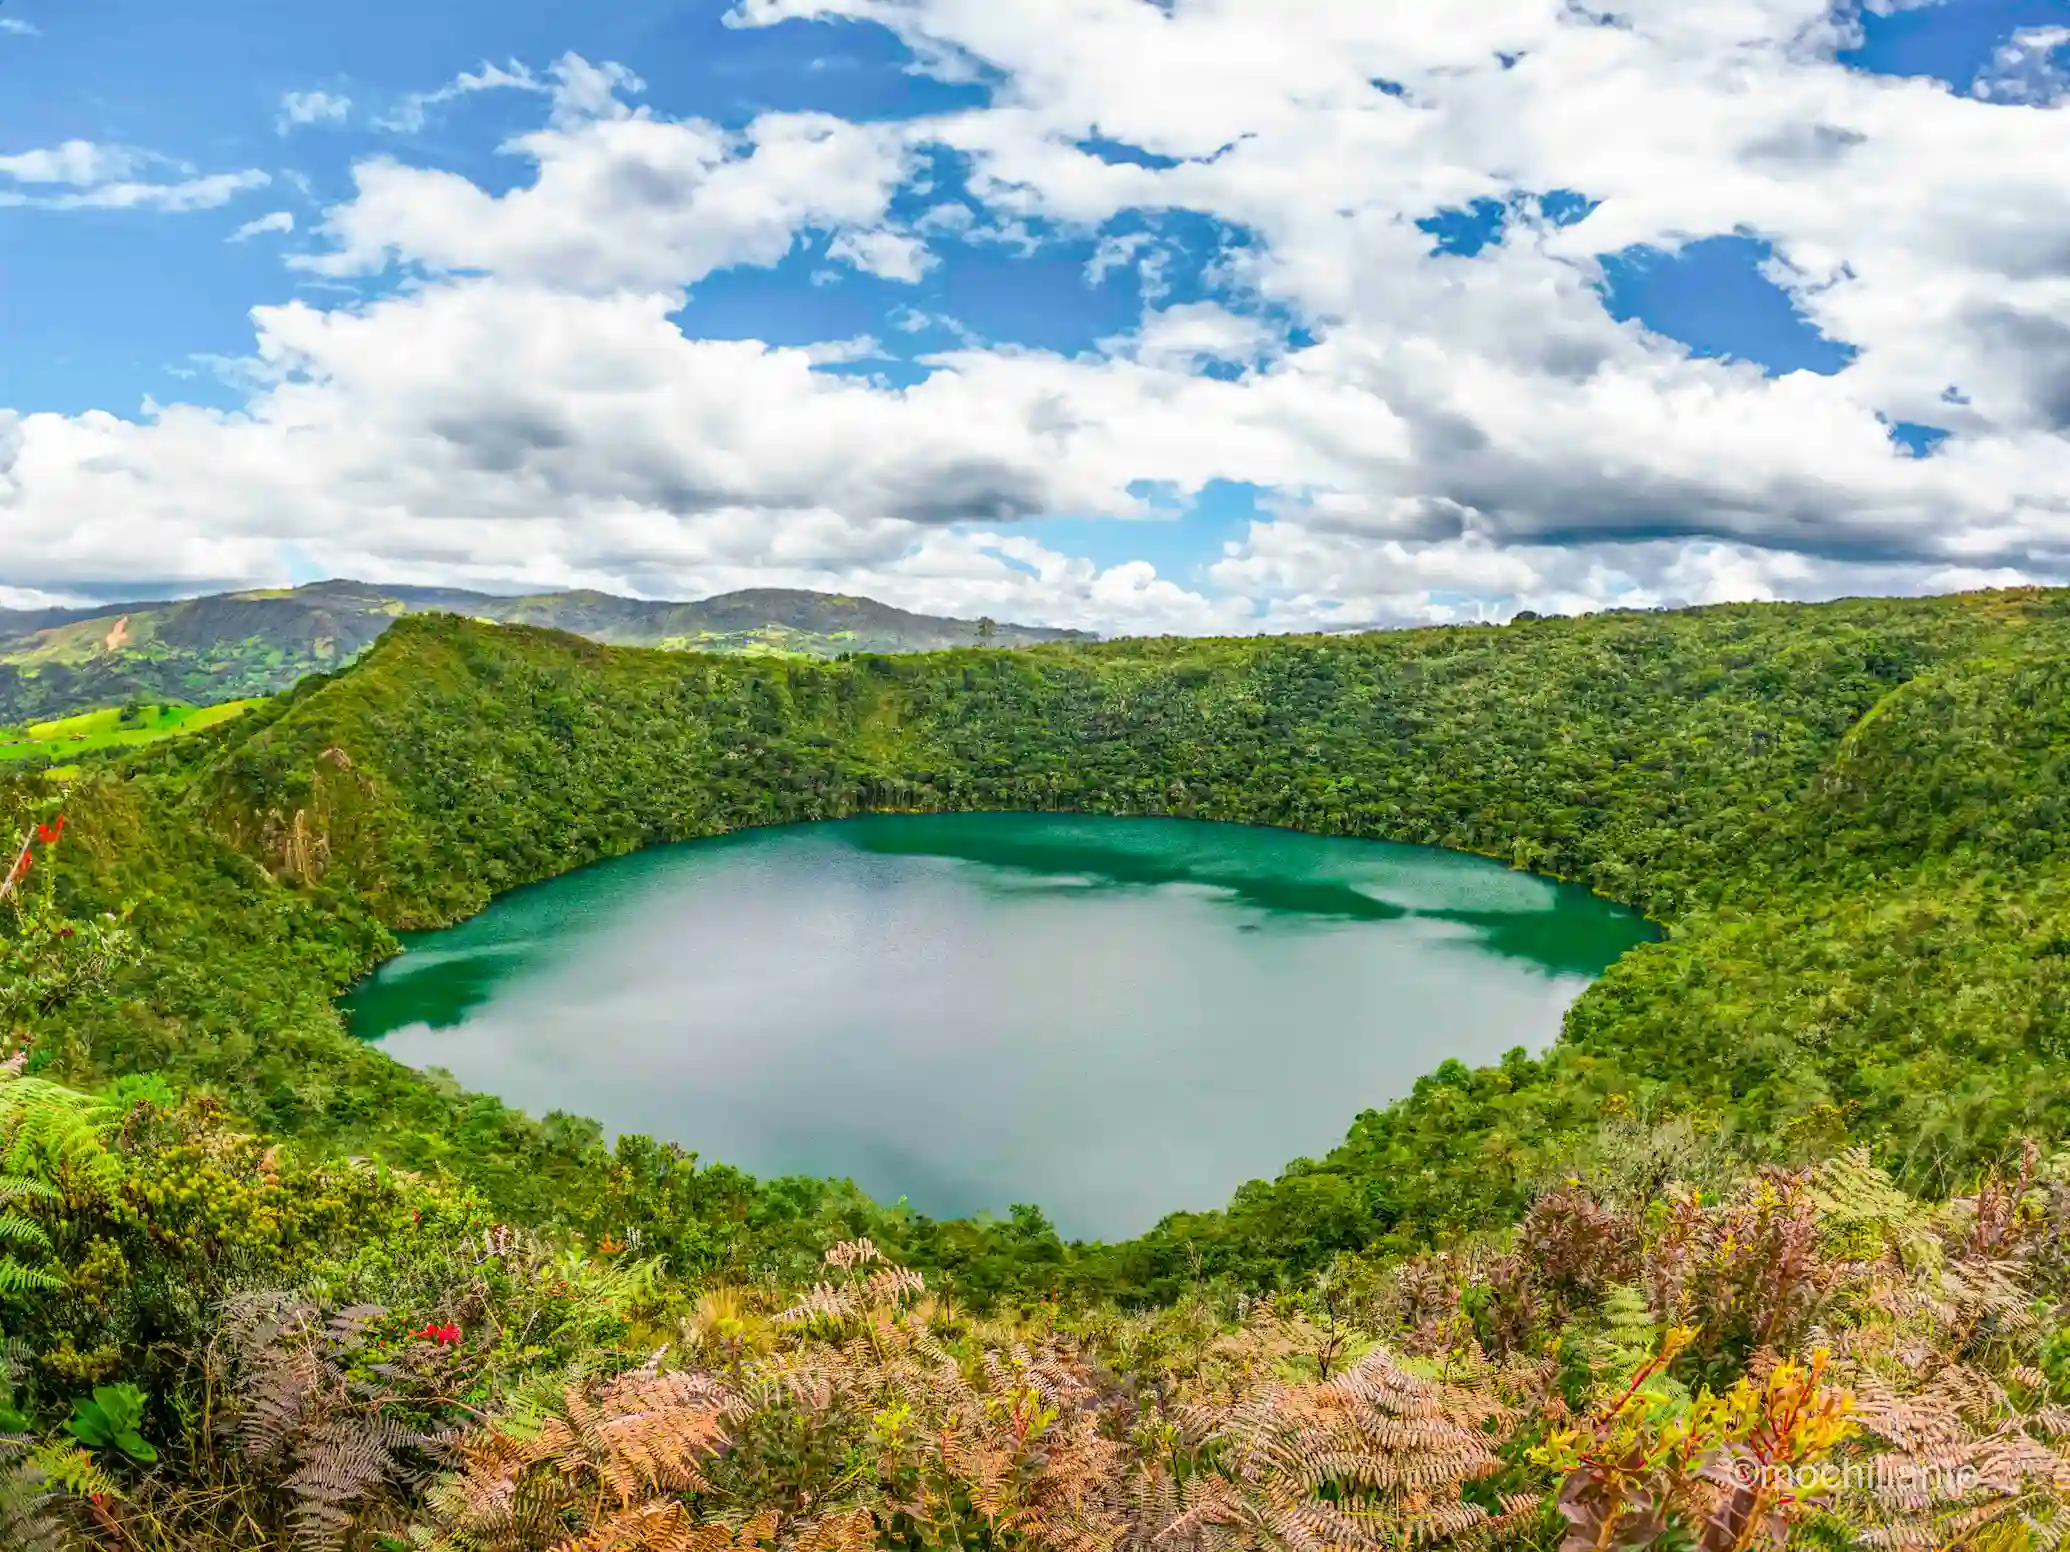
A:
[1112, 1018]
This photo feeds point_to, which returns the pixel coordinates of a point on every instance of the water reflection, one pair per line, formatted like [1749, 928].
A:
[1114, 1018]
[1564, 930]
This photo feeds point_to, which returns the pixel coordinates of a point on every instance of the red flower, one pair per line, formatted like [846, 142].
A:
[48, 833]
[444, 1335]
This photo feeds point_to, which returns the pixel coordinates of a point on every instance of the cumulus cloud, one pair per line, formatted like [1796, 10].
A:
[83, 175]
[300, 108]
[79, 163]
[1932, 236]
[275, 222]
[2032, 67]
[1438, 436]
[888, 254]
[623, 198]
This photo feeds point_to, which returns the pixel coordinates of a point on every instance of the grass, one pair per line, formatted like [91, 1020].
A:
[766, 641]
[106, 729]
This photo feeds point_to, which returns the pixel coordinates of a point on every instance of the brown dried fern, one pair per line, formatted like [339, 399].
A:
[1375, 1457]
[314, 1435]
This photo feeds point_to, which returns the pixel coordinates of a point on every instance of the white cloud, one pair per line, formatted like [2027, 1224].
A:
[189, 194]
[2033, 67]
[15, 26]
[31, 598]
[80, 163]
[582, 91]
[83, 175]
[413, 112]
[884, 253]
[848, 352]
[300, 108]
[280, 221]
[1188, 337]
[623, 198]
[1464, 437]
[1913, 225]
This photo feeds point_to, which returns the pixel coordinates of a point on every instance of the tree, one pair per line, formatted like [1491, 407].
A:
[46, 959]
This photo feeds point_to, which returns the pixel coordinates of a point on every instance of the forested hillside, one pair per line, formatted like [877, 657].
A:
[1842, 814]
[1848, 819]
[226, 646]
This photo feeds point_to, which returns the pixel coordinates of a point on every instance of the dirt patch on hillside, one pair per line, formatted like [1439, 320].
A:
[116, 637]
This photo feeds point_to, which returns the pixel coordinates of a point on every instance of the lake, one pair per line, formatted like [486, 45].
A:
[1111, 1018]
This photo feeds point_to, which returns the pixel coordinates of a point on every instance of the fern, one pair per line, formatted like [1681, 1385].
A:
[16, 1278]
[28, 1499]
[1602, 1359]
[1375, 1457]
[36, 1483]
[606, 1467]
[859, 1292]
[322, 1439]
[1862, 1213]
[16, 1229]
[55, 1136]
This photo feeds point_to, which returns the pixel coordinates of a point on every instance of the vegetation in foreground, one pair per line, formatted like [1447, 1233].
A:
[1847, 817]
[219, 1343]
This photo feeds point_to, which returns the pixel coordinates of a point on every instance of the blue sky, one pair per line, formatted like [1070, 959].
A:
[1208, 407]
[103, 312]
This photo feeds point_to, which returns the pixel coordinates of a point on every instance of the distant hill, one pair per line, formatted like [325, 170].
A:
[229, 646]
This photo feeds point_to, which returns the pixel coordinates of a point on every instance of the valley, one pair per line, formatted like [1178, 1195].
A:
[1826, 1084]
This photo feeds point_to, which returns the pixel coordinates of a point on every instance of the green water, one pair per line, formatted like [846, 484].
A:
[1112, 1018]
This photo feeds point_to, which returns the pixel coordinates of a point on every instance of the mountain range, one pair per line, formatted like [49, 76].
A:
[227, 646]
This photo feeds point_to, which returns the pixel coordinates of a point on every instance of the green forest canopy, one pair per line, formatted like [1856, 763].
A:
[1847, 817]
